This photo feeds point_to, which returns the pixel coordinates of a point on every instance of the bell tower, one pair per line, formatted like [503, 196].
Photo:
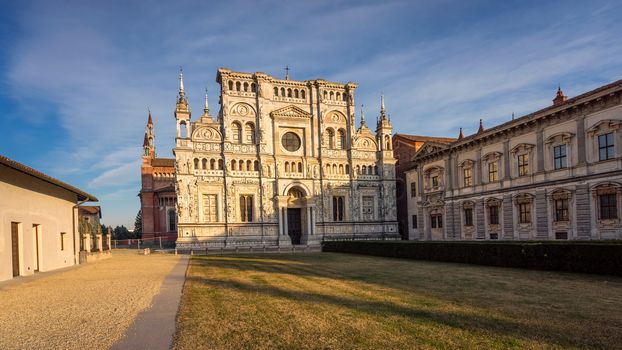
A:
[149, 141]
[182, 111]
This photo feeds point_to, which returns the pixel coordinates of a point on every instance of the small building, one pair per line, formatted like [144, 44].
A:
[404, 149]
[38, 221]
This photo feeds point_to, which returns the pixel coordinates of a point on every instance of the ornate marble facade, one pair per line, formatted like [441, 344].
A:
[282, 163]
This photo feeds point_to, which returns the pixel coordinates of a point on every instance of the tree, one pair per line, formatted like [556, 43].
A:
[121, 232]
[138, 225]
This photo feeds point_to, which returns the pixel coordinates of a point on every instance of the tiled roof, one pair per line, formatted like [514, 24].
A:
[164, 162]
[418, 138]
[91, 210]
[35, 173]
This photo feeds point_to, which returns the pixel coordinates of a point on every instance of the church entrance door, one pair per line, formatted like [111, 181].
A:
[294, 225]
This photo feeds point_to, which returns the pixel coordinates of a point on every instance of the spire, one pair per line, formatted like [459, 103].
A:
[559, 97]
[481, 127]
[286, 72]
[149, 120]
[206, 107]
[362, 117]
[461, 135]
[181, 82]
[146, 141]
[382, 105]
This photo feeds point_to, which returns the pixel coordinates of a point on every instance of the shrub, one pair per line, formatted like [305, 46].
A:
[586, 257]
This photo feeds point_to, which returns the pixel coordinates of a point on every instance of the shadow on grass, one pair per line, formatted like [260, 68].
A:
[469, 322]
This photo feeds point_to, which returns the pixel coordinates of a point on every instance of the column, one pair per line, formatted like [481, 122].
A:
[309, 232]
[100, 245]
[539, 150]
[581, 140]
[506, 160]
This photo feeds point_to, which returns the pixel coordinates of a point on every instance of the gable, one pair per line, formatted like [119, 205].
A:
[290, 112]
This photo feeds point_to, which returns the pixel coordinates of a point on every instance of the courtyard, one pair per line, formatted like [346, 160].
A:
[311, 301]
[330, 301]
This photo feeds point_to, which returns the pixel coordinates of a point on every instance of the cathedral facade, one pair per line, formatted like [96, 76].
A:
[281, 163]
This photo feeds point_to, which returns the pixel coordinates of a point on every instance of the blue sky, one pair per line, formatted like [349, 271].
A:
[76, 78]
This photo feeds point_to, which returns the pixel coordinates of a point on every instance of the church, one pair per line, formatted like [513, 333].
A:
[283, 162]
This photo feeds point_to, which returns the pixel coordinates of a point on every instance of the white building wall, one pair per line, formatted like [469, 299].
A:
[29, 201]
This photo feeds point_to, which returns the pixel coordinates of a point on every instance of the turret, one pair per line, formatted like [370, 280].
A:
[182, 112]
[384, 130]
[559, 97]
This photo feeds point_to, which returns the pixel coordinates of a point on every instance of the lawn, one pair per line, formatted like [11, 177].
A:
[339, 301]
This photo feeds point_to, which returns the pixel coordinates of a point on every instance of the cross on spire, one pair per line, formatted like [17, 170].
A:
[287, 72]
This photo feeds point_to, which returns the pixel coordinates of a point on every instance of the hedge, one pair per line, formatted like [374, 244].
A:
[572, 256]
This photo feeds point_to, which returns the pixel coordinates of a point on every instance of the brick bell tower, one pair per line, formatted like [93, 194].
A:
[146, 172]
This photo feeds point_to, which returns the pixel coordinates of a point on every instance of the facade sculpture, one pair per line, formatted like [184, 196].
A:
[282, 164]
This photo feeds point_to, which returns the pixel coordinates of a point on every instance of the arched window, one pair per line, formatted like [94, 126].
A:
[341, 169]
[387, 142]
[230, 85]
[287, 167]
[375, 170]
[253, 87]
[337, 96]
[236, 132]
[358, 169]
[347, 169]
[238, 86]
[364, 170]
[332, 95]
[303, 94]
[256, 166]
[196, 163]
[343, 97]
[246, 87]
[240, 165]
[341, 139]
[325, 95]
[172, 220]
[220, 164]
[300, 167]
[327, 168]
[276, 91]
[249, 165]
[183, 130]
[331, 138]
[204, 164]
[212, 164]
[296, 93]
[250, 133]
[289, 92]
[282, 92]
[334, 168]
[234, 165]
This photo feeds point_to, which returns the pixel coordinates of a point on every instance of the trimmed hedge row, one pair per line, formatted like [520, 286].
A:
[572, 256]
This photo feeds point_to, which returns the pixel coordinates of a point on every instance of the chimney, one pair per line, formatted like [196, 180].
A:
[560, 97]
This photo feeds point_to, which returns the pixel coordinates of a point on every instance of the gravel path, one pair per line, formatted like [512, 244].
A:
[89, 307]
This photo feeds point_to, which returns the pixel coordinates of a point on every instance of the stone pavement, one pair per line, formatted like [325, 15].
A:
[154, 327]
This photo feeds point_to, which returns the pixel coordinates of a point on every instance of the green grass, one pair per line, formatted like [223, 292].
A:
[338, 301]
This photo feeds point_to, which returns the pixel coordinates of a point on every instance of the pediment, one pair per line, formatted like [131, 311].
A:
[429, 148]
[290, 112]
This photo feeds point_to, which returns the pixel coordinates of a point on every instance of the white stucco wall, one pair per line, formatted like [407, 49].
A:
[30, 201]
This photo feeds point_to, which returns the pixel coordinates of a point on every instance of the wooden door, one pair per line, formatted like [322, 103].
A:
[294, 225]
[15, 245]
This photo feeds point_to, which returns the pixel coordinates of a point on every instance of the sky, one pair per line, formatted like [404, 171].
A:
[76, 78]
